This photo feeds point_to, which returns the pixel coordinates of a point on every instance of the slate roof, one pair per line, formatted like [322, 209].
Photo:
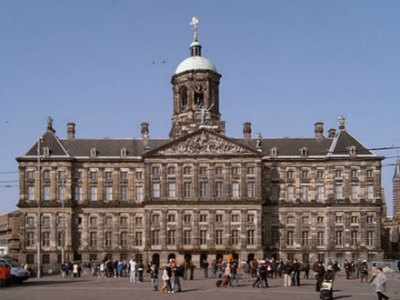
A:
[286, 147]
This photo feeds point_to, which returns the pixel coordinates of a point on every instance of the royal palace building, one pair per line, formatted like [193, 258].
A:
[198, 193]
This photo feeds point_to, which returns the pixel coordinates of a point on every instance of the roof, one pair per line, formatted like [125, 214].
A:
[195, 63]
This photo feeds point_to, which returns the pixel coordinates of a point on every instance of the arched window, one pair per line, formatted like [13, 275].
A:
[183, 97]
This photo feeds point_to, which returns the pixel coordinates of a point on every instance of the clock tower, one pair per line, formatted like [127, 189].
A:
[195, 93]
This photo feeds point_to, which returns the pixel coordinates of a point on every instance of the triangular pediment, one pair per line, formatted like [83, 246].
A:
[203, 142]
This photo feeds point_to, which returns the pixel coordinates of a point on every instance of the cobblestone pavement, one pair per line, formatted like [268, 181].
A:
[93, 288]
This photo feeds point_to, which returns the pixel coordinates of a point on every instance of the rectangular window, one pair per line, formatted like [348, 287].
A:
[77, 174]
[108, 239]
[235, 171]
[320, 220]
[45, 239]
[30, 238]
[78, 193]
[250, 170]
[304, 238]
[290, 220]
[138, 221]
[139, 193]
[93, 239]
[187, 218]
[123, 175]
[46, 193]
[290, 193]
[123, 239]
[289, 174]
[235, 239]
[155, 237]
[370, 238]
[320, 238]
[108, 176]
[235, 218]
[92, 175]
[218, 171]
[274, 193]
[203, 218]
[320, 174]
[354, 174]
[219, 189]
[304, 193]
[171, 170]
[218, 237]
[108, 221]
[250, 218]
[218, 218]
[339, 192]
[370, 174]
[138, 238]
[30, 175]
[187, 170]
[305, 220]
[338, 174]
[338, 219]
[320, 193]
[109, 193]
[31, 192]
[354, 220]
[203, 171]
[304, 174]
[187, 237]
[155, 190]
[354, 238]
[203, 237]
[46, 175]
[93, 221]
[275, 238]
[370, 219]
[203, 189]
[155, 171]
[250, 189]
[289, 238]
[138, 175]
[354, 192]
[123, 190]
[250, 237]
[61, 193]
[46, 221]
[187, 189]
[370, 192]
[155, 218]
[171, 218]
[235, 190]
[46, 259]
[93, 193]
[339, 238]
[171, 237]
[171, 189]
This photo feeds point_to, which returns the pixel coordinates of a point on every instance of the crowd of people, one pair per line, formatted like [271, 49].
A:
[257, 271]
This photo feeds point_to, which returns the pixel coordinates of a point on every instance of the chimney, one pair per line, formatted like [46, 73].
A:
[319, 130]
[332, 133]
[71, 130]
[247, 131]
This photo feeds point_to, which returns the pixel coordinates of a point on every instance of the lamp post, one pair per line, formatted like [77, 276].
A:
[38, 233]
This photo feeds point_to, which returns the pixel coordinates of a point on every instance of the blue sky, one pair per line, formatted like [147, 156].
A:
[106, 65]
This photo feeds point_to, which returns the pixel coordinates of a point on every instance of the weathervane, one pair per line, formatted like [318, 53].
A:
[195, 21]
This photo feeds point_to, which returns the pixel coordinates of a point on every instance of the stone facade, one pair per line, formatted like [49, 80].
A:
[200, 194]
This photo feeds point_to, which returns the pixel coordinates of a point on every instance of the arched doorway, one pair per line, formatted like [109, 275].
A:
[155, 259]
[250, 257]
[187, 257]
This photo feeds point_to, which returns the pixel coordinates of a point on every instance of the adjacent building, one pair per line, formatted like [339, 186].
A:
[199, 194]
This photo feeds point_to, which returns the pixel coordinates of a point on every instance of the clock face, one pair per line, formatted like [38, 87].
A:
[198, 88]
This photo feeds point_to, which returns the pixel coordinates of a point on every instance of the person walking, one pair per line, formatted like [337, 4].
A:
[132, 265]
[154, 277]
[380, 284]
[165, 279]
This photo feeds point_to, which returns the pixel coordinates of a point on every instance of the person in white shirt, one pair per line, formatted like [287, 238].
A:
[132, 264]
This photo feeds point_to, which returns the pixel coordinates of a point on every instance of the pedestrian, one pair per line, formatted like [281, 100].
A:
[234, 275]
[132, 266]
[306, 269]
[204, 265]
[154, 277]
[380, 284]
[140, 269]
[329, 276]
[214, 269]
[177, 271]
[287, 270]
[363, 270]
[319, 276]
[246, 270]
[165, 279]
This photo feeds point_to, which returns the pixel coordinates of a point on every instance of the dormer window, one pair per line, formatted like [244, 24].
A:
[304, 152]
[123, 152]
[46, 151]
[274, 152]
[352, 151]
[93, 152]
